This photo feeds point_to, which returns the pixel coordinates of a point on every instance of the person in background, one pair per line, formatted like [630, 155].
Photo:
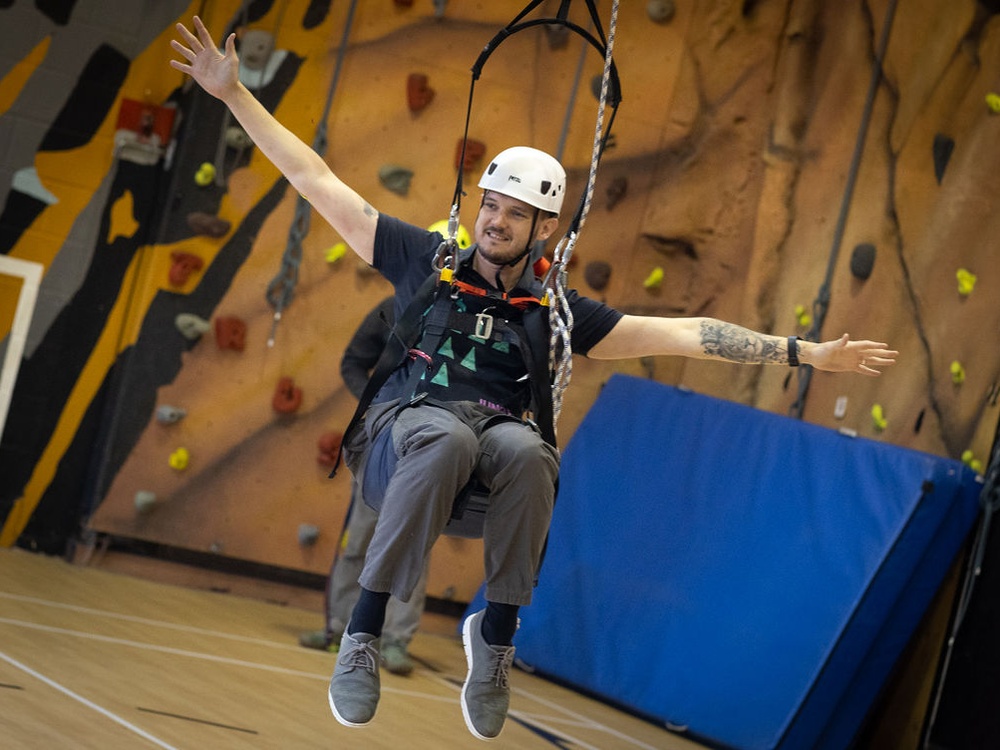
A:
[342, 590]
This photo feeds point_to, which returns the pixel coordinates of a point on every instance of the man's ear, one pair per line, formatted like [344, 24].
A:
[546, 227]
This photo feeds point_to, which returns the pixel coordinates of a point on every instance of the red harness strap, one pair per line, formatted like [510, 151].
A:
[522, 303]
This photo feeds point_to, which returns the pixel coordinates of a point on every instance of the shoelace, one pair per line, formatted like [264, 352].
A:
[363, 655]
[500, 668]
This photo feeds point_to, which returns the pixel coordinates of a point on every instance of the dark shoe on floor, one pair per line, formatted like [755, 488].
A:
[354, 687]
[317, 639]
[395, 657]
[486, 692]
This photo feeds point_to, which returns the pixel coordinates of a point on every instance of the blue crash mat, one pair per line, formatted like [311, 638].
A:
[743, 574]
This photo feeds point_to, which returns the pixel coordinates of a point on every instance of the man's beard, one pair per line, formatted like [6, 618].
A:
[498, 258]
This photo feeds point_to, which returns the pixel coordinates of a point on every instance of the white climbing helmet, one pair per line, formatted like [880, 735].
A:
[529, 175]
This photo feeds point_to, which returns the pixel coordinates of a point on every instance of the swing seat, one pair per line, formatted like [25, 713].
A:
[468, 514]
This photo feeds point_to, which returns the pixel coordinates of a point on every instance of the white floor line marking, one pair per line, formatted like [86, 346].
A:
[541, 725]
[148, 621]
[161, 649]
[587, 724]
[199, 655]
[89, 704]
[577, 720]
[562, 709]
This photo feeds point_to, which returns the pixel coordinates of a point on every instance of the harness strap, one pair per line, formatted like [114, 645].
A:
[482, 326]
[521, 303]
[434, 327]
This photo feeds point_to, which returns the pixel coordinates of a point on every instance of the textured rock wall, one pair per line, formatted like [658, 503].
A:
[736, 137]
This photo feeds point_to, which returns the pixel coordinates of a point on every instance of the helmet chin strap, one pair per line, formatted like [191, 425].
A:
[531, 241]
[521, 256]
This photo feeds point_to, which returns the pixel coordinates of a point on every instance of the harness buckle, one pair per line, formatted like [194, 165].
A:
[484, 326]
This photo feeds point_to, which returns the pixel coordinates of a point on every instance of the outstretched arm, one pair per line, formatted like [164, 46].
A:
[707, 338]
[218, 74]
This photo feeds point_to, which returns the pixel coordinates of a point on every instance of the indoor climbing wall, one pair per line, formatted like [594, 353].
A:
[161, 399]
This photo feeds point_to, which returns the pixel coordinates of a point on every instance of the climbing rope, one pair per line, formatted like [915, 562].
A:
[560, 315]
[281, 289]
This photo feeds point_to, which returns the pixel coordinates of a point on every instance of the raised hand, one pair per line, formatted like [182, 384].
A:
[214, 71]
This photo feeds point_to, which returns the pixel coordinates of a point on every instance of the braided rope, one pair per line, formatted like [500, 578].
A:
[281, 288]
[560, 316]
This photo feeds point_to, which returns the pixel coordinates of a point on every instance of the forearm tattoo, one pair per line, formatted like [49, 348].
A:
[369, 210]
[739, 344]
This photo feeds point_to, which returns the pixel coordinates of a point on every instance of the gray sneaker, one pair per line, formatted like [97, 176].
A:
[486, 692]
[395, 657]
[354, 687]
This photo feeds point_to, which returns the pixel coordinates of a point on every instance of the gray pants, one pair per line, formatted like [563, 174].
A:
[438, 450]
[401, 618]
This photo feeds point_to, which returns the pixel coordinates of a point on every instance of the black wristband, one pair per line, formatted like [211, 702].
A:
[793, 351]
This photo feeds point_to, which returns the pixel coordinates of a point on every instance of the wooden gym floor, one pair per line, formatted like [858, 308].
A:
[94, 659]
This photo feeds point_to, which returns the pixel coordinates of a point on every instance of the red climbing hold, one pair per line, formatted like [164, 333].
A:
[474, 151]
[230, 333]
[418, 93]
[184, 264]
[287, 397]
[329, 447]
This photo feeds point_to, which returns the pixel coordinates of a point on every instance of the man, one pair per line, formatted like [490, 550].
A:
[460, 417]
[402, 618]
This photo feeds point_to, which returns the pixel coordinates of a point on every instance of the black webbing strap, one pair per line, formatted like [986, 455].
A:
[434, 328]
[517, 24]
[397, 348]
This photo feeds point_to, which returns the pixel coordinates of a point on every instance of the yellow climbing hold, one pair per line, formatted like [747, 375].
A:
[462, 236]
[654, 279]
[878, 417]
[336, 252]
[966, 281]
[802, 316]
[972, 462]
[179, 459]
[957, 373]
[205, 174]
[993, 102]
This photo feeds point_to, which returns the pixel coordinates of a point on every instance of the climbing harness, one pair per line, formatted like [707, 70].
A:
[281, 289]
